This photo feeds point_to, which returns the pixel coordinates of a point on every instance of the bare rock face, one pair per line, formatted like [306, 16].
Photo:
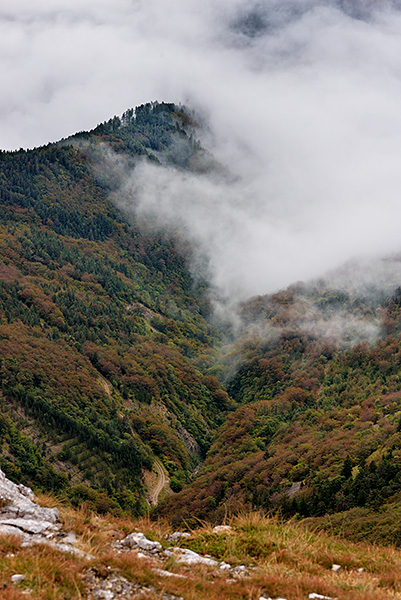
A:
[17, 502]
[21, 516]
[138, 540]
[30, 526]
[190, 557]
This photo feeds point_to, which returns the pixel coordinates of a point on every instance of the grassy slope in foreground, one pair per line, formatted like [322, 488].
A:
[282, 560]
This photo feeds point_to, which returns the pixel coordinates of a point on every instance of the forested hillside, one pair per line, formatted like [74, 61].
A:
[318, 431]
[102, 330]
[109, 359]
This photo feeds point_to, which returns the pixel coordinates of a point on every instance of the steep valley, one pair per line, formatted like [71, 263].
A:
[112, 361]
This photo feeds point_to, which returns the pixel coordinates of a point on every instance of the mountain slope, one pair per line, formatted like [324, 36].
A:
[319, 430]
[106, 352]
[100, 322]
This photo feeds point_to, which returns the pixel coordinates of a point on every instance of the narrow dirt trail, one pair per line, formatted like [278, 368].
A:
[161, 482]
[105, 385]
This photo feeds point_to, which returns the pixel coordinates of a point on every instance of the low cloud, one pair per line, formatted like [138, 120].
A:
[302, 102]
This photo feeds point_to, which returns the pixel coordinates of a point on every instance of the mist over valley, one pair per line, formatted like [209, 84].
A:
[200, 296]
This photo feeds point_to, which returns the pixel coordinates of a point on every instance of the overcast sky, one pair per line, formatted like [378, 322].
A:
[303, 98]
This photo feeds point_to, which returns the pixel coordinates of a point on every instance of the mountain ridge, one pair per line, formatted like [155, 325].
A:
[85, 295]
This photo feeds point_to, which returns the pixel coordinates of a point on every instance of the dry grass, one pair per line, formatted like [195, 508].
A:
[49, 575]
[288, 560]
[283, 560]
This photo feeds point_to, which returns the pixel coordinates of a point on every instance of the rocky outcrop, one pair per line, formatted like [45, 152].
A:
[177, 536]
[138, 540]
[191, 444]
[16, 501]
[190, 557]
[20, 515]
[113, 586]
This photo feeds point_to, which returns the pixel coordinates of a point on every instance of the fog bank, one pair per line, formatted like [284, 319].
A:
[302, 102]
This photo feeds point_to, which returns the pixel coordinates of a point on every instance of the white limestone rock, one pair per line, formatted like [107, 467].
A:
[190, 557]
[138, 540]
[18, 502]
[70, 538]
[239, 572]
[31, 525]
[21, 516]
[222, 529]
[69, 549]
[104, 595]
[10, 530]
[177, 535]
